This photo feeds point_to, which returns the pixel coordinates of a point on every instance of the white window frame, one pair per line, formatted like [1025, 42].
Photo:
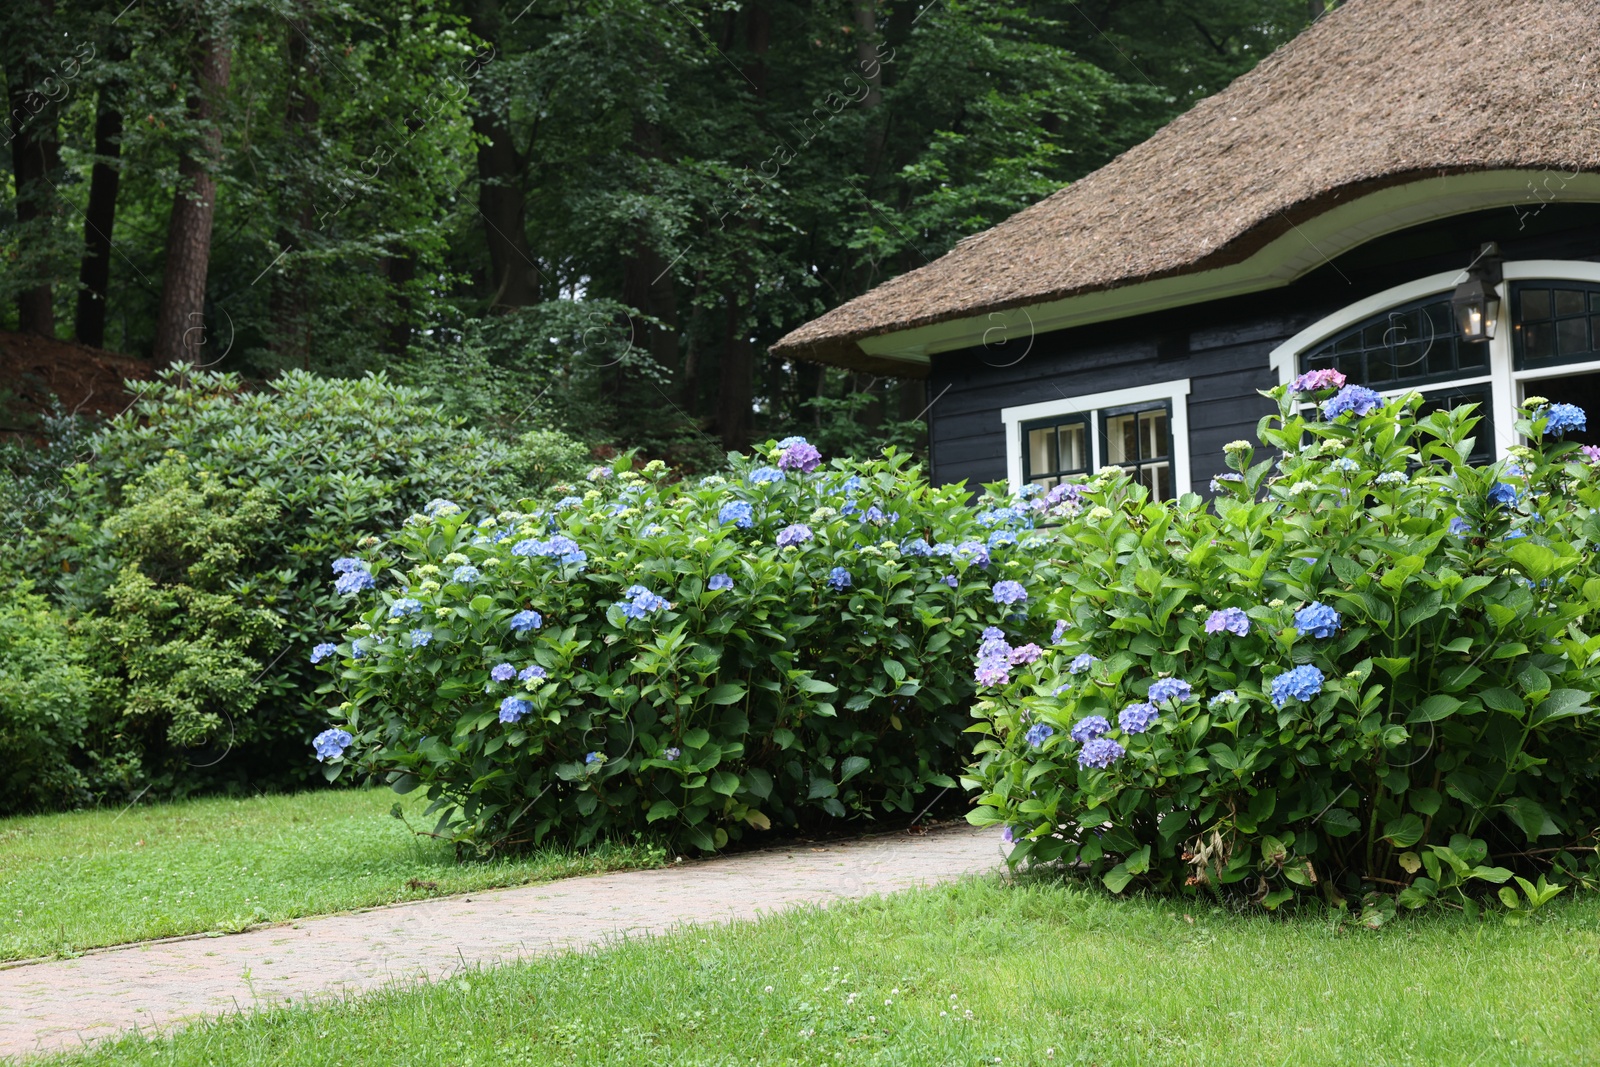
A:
[1175, 393]
[1507, 384]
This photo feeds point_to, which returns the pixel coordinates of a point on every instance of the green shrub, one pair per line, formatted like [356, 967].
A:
[46, 692]
[1385, 662]
[657, 655]
[194, 546]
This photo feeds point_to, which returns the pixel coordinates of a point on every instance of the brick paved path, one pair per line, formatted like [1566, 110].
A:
[63, 1004]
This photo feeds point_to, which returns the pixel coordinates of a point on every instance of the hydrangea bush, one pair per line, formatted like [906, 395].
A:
[780, 645]
[1365, 667]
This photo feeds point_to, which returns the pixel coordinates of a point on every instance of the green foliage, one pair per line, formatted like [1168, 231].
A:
[780, 701]
[194, 548]
[1443, 732]
[46, 693]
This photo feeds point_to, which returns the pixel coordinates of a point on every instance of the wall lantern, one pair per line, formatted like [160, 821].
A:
[1476, 303]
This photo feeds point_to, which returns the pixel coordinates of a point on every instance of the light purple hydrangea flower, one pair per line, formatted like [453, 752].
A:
[323, 651]
[1059, 632]
[1102, 752]
[1136, 718]
[1233, 620]
[801, 456]
[512, 709]
[1081, 662]
[532, 673]
[718, 582]
[419, 638]
[1038, 734]
[347, 564]
[1009, 592]
[1357, 400]
[1027, 653]
[796, 534]
[1164, 689]
[353, 582]
[1089, 727]
[839, 579]
[502, 672]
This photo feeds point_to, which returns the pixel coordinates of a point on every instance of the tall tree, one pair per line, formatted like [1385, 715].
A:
[180, 320]
[501, 201]
[100, 216]
[34, 87]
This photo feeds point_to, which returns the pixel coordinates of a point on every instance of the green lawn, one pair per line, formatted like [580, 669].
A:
[982, 973]
[78, 880]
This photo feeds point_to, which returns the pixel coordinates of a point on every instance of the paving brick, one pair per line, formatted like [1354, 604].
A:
[159, 985]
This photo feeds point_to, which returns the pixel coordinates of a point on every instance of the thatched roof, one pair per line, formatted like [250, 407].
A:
[1376, 94]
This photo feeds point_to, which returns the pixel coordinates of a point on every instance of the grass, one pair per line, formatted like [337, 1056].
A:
[85, 879]
[979, 972]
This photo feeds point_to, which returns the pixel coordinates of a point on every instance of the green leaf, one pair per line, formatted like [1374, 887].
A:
[1339, 822]
[1424, 800]
[725, 783]
[1502, 700]
[1404, 831]
[1530, 817]
[822, 787]
[851, 767]
[726, 693]
[895, 670]
[1491, 874]
[696, 738]
[1561, 704]
[1117, 878]
[1433, 709]
[1536, 561]
[661, 809]
[808, 684]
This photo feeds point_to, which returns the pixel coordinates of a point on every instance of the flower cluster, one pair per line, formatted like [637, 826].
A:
[640, 602]
[796, 534]
[1356, 400]
[839, 579]
[737, 512]
[560, 547]
[331, 743]
[1314, 381]
[1316, 620]
[1009, 592]
[1301, 683]
[1562, 419]
[798, 455]
[1232, 620]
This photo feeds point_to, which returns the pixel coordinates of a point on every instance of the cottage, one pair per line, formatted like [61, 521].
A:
[1407, 192]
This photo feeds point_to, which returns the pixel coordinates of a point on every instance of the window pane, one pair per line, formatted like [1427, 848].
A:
[1153, 443]
[1535, 304]
[1122, 440]
[1475, 356]
[1159, 478]
[1594, 300]
[1538, 340]
[1572, 336]
[1074, 447]
[1041, 443]
[1569, 302]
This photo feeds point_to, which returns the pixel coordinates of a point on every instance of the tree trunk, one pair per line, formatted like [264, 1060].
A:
[401, 270]
[31, 124]
[500, 195]
[870, 68]
[180, 320]
[94, 273]
[734, 383]
[289, 300]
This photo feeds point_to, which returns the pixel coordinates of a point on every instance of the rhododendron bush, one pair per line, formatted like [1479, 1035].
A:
[788, 643]
[1366, 668]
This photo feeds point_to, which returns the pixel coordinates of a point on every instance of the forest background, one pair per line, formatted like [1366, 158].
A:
[583, 215]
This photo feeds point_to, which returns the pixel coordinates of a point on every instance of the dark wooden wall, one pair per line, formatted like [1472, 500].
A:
[1222, 347]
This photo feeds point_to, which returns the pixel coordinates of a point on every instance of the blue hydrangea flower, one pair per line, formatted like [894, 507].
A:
[1009, 592]
[1222, 481]
[642, 602]
[593, 757]
[466, 574]
[323, 651]
[502, 672]
[797, 534]
[917, 547]
[1233, 620]
[1301, 683]
[992, 633]
[1081, 662]
[1001, 538]
[512, 709]
[950, 580]
[331, 743]
[1345, 464]
[403, 607]
[839, 578]
[1355, 399]
[1089, 727]
[944, 548]
[1136, 718]
[1038, 734]
[419, 638]
[1222, 699]
[439, 506]
[1512, 535]
[851, 484]
[766, 475]
[737, 512]
[569, 502]
[719, 581]
[353, 582]
[874, 515]
[671, 755]
[1504, 494]
[1059, 632]
[1317, 620]
[1392, 478]
[1102, 752]
[523, 621]
[1460, 527]
[1164, 689]
[534, 673]
[975, 551]
[346, 564]
[1563, 419]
